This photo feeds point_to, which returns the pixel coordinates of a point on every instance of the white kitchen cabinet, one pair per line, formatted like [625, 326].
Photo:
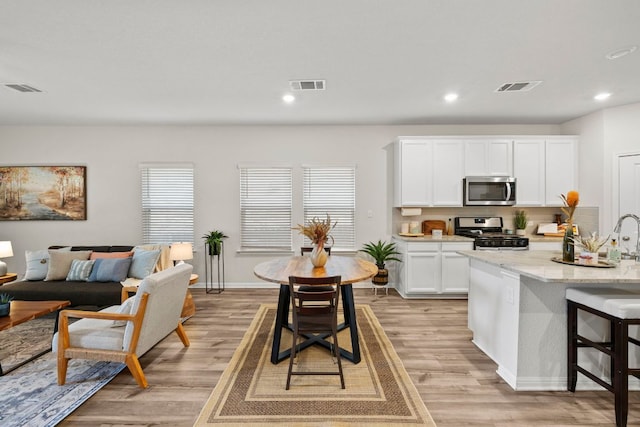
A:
[428, 172]
[488, 157]
[422, 272]
[448, 172]
[560, 169]
[544, 167]
[528, 167]
[432, 269]
[412, 173]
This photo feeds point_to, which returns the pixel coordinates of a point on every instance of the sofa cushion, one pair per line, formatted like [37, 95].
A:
[96, 255]
[97, 294]
[110, 270]
[37, 264]
[60, 263]
[143, 263]
[80, 270]
[91, 248]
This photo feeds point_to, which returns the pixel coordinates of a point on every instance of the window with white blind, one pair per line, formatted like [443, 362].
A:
[265, 208]
[332, 190]
[167, 203]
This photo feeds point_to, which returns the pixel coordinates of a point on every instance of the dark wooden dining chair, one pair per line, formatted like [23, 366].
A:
[315, 312]
[308, 249]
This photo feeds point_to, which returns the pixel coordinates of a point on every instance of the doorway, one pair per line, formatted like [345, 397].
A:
[628, 198]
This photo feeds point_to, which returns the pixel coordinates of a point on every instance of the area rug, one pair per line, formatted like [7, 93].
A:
[30, 395]
[251, 391]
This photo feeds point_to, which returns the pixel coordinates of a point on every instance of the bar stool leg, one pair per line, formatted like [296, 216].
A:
[572, 346]
[621, 377]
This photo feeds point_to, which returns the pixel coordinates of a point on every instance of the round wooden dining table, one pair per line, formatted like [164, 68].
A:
[350, 269]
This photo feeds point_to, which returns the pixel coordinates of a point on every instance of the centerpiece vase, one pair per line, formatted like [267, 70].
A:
[568, 247]
[318, 256]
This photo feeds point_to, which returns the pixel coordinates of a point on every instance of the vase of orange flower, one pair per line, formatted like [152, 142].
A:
[318, 232]
[568, 244]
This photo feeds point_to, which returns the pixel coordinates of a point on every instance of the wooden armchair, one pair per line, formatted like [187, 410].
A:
[123, 333]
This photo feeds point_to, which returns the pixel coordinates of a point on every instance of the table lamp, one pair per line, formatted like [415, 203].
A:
[180, 251]
[5, 252]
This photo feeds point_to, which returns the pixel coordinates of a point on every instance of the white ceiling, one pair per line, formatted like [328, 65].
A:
[384, 61]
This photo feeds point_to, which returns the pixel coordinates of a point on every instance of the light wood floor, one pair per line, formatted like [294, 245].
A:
[457, 382]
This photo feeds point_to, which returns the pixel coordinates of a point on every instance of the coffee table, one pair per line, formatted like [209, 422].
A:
[23, 311]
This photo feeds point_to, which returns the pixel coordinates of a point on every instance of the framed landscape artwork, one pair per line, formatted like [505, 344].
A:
[43, 193]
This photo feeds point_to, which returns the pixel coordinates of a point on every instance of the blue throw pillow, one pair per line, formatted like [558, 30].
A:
[110, 270]
[143, 263]
[80, 270]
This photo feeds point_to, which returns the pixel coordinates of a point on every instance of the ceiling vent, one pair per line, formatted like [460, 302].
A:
[22, 88]
[518, 86]
[307, 84]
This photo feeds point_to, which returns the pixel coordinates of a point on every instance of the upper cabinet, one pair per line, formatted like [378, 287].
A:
[544, 167]
[428, 171]
[413, 177]
[488, 157]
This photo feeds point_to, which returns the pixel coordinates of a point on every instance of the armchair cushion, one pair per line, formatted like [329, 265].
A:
[91, 333]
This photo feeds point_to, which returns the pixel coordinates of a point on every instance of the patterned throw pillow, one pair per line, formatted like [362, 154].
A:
[143, 263]
[80, 270]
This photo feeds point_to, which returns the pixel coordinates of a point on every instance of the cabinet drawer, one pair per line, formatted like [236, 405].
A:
[457, 246]
[423, 246]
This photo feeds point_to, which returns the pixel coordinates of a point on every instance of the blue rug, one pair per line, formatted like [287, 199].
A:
[30, 395]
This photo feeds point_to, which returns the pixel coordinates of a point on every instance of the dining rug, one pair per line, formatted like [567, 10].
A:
[251, 390]
[30, 395]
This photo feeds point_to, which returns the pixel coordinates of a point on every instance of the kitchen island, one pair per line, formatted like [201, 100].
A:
[517, 313]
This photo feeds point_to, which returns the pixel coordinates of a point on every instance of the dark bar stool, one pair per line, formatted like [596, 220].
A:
[621, 308]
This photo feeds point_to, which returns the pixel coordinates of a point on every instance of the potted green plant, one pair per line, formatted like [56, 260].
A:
[214, 240]
[520, 221]
[381, 252]
[5, 304]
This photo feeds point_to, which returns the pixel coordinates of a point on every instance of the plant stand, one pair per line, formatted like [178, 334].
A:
[208, 269]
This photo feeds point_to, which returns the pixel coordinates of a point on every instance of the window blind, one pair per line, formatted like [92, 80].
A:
[332, 190]
[265, 207]
[167, 204]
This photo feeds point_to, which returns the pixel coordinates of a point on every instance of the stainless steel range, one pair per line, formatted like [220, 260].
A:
[488, 234]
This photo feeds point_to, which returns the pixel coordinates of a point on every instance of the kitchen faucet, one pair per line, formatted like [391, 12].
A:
[617, 230]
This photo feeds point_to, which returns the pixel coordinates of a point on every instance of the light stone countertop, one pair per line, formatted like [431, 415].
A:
[429, 238]
[538, 265]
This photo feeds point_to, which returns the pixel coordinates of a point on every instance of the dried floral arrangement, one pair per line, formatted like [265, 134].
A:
[317, 230]
[571, 201]
[592, 244]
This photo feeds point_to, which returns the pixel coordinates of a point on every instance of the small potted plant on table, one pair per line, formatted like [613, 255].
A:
[5, 304]
[381, 252]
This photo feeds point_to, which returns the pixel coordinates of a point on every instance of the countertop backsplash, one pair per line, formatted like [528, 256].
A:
[587, 218]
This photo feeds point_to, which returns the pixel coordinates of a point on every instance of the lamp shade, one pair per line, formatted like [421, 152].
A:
[5, 249]
[181, 251]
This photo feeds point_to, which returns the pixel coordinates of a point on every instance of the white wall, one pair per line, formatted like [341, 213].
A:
[112, 155]
[603, 135]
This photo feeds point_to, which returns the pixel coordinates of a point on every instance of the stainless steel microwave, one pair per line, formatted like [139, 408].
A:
[489, 191]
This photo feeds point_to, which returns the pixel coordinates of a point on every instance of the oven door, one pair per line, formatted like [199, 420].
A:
[489, 191]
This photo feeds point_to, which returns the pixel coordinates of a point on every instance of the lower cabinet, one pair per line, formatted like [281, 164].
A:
[432, 269]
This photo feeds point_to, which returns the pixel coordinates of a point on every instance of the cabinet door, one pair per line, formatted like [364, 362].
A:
[528, 168]
[488, 158]
[560, 169]
[423, 272]
[415, 173]
[500, 158]
[448, 171]
[475, 158]
[455, 273]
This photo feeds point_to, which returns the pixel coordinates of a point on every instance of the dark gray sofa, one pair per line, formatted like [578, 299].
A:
[81, 294]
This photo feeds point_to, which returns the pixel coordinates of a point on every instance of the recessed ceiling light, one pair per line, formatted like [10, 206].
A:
[619, 53]
[450, 97]
[602, 96]
[288, 98]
